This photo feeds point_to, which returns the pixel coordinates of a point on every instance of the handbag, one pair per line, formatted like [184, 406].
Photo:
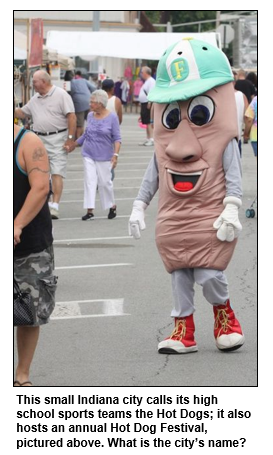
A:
[23, 307]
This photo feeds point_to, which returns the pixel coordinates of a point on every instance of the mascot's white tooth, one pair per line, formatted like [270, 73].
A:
[184, 173]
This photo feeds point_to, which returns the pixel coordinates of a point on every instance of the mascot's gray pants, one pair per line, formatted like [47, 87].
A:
[213, 282]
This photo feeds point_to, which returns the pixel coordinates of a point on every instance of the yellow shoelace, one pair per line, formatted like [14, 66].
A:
[222, 321]
[179, 330]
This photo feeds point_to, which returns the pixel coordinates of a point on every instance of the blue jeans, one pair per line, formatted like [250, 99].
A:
[254, 146]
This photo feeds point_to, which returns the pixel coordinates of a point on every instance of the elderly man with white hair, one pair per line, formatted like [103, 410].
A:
[100, 149]
[145, 113]
[54, 121]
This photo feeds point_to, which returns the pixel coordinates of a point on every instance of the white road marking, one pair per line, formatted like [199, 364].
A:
[119, 164]
[91, 239]
[116, 178]
[85, 316]
[92, 266]
[116, 199]
[116, 188]
[95, 218]
[73, 309]
[117, 170]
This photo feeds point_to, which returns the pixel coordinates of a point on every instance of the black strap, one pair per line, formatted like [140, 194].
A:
[18, 139]
[16, 287]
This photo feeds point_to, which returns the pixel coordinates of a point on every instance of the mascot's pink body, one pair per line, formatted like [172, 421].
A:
[185, 235]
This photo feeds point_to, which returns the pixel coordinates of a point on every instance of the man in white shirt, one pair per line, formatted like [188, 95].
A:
[54, 121]
[145, 113]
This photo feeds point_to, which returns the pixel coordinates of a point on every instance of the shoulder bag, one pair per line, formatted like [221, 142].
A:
[23, 307]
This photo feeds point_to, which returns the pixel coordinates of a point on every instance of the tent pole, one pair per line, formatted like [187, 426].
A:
[27, 69]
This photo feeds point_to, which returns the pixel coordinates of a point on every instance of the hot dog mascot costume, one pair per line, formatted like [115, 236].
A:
[196, 168]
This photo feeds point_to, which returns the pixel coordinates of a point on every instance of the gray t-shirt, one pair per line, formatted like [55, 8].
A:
[49, 111]
[81, 90]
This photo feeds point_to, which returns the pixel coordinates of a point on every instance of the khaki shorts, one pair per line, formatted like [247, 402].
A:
[57, 155]
[34, 274]
[81, 116]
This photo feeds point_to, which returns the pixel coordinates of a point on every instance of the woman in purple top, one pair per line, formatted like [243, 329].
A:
[100, 149]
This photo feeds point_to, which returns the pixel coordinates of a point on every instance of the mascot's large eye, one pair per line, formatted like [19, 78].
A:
[201, 110]
[171, 116]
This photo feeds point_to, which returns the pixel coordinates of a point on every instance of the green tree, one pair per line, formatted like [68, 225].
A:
[178, 17]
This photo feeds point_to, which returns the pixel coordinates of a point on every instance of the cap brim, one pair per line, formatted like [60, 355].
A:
[186, 90]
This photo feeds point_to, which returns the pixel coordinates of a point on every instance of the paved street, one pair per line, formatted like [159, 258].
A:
[114, 297]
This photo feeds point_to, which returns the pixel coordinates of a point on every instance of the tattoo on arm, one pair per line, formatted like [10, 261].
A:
[38, 169]
[38, 154]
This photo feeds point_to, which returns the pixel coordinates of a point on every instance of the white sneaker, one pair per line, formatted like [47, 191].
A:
[148, 142]
[54, 213]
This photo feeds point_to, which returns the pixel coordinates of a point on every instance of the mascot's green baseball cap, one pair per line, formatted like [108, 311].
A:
[189, 68]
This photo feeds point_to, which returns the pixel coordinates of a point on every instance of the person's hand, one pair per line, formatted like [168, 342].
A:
[17, 234]
[114, 161]
[70, 145]
[228, 224]
[136, 221]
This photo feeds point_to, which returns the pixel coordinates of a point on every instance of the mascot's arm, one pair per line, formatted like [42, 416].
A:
[149, 187]
[233, 170]
[228, 224]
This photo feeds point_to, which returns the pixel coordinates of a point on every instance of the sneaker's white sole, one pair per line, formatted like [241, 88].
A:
[175, 347]
[230, 342]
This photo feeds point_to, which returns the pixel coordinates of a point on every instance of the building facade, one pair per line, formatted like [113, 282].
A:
[116, 21]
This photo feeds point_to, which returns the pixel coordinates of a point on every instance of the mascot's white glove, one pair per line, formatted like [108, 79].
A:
[136, 221]
[227, 224]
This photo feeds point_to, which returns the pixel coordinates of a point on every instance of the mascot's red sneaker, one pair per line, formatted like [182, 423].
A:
[181, 340]
[227, 330]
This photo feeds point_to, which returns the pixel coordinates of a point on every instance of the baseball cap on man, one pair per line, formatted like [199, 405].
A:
[107, 84]
[189, 68]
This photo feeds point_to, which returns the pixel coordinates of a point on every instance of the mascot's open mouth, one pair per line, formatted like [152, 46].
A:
[184, 182]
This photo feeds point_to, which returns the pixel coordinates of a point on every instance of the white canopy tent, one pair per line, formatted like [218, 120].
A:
[19, 54]
[144, 46]
[49, 54]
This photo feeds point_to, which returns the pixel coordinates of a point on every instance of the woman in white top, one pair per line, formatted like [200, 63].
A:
[114, 103]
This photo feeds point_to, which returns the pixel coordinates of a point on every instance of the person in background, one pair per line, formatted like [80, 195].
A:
[136, 89]
[244, 85]
[33, 250]
[80, 92]
[252, 77]
[54, 121]
[241, 105]
[137, 86]
[78, 74]
[100, 150]
[125, 88]
[145, 113]
[117, 88]
[251, 123]
[114, 103]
